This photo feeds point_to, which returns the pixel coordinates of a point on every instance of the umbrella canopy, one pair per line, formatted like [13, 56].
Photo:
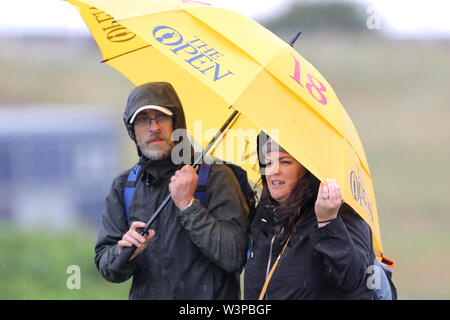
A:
[220, 61]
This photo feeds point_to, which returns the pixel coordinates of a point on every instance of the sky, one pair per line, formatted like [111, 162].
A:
[416, 16]
[399, 17]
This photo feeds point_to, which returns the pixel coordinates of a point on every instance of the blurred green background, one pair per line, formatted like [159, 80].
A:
[396, 91]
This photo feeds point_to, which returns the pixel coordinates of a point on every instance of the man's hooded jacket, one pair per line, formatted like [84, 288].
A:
[195, 253]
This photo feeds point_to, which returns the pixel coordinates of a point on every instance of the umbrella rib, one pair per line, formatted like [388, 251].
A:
[122, 54]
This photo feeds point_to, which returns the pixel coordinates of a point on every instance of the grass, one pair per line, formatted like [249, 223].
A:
[396, 93]
[34, 265]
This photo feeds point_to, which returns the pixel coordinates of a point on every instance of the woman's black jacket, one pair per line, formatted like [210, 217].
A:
[319, 263]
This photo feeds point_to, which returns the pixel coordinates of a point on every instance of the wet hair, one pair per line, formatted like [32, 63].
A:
[302, 197]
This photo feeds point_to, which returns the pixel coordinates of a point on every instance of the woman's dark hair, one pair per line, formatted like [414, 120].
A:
[302, 196]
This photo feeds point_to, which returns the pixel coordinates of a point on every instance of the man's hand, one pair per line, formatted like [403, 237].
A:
[133, 237]
[183, 185]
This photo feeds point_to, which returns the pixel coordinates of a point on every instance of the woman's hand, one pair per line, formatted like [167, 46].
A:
[329, 200]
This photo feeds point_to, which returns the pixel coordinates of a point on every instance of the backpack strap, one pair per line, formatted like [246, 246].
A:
[130, 187]
[203, 175]
[200, 192]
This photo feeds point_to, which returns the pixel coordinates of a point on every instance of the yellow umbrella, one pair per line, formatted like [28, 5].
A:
[220, 61]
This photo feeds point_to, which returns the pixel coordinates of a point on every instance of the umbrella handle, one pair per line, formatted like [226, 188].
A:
[125, 255]
[123, 258]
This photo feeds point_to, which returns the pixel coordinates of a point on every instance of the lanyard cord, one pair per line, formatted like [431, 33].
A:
[272, 270]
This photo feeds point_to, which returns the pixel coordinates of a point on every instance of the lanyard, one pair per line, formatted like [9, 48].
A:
[275, 264]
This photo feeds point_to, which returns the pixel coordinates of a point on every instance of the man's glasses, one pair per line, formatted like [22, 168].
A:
[162, 120]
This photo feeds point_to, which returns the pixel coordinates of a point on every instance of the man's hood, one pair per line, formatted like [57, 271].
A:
[164, 95]
[154, 93]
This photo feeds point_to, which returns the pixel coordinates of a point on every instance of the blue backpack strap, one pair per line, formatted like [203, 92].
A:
[203, 174]
[130, 187]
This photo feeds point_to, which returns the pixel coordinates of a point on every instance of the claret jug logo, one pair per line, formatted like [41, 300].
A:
[359, 193]
[197, 53]
[167, 36]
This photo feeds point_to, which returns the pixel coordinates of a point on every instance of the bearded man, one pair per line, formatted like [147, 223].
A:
[192, 252]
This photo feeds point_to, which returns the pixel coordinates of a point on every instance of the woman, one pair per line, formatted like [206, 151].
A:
[327, 246]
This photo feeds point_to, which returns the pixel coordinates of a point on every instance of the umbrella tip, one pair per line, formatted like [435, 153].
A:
[295, 37]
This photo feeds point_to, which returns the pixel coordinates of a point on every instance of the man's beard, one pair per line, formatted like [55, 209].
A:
[159, 151]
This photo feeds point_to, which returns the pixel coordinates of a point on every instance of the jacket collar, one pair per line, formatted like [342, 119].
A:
[157, 171]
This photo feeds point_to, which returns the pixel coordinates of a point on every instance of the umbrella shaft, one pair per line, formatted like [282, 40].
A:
[214, 139]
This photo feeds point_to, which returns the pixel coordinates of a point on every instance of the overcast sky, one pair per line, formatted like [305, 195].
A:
[406, 17]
